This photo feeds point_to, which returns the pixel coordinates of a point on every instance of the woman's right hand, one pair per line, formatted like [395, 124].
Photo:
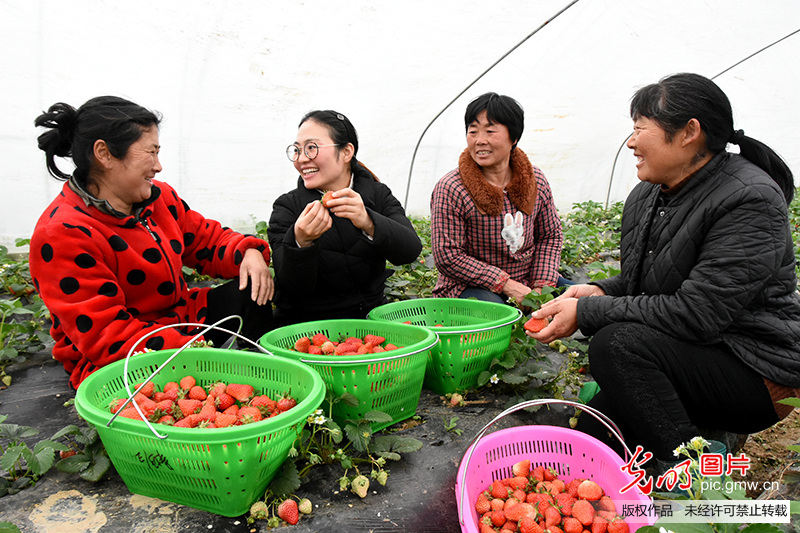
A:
[311, 224]
[579, 291]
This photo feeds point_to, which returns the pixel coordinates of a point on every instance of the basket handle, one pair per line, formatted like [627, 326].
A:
[206, 329]
[602, 418]
[382, 359]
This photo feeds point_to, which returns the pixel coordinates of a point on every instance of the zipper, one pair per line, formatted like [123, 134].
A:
[165, 255]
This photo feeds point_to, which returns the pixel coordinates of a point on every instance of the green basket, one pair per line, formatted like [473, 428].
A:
[471, 333]
[222, 470]
[390, 382]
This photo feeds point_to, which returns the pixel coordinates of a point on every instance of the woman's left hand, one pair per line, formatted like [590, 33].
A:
[564, 313]
[347, 203]
[255, 269]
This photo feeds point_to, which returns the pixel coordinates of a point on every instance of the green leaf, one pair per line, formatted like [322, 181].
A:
[483, 378]
[349, 399]
[43, 457]
[72, 429]
[360, 435]
[389, 455]
[287, 481]
[96, 470]
[683, 528]
[15, 432]
[794, 507]
[396, 443]
[794, 402]
[762, 528]
[378, 417]
[336, 430]
[8, 527]
[12, 455]
[74, 464]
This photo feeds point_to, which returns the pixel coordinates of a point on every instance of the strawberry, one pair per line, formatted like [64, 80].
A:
[223, 420]
[487, 528]
[159, 397]
[375, 340]
[538, 473]
[223, 401]
[345, 348]
[264, 403]
[499, 490]
[232, 410]
[314, 350]
[197, 393]
[175, 394]
[378, 349]
[242, 393]
[517, 512]
[390, 346]
[304, 506]
[583, 511]
[605, 503]
[249, 415]
[216, 389]
[207, 413]
[319, 339]
[116, 404]
[187, 382]
[528, 525]
[572, 487]
[189, 407]
[589, 490]
[565, 502]
[541, 501]
[67, 453]
[518, 482]
[188, 422]
[513, 500]
[327, 347]
[550, 474]
[302, 344]
[497, 505]
[522, 468]
[572, 525]
[172, 385]
[130, 412]
[147, 405]
[498, 518]
[286, 403]
[608, 515]
[552, 517]
[165, 406]
[519, 495]
[147, 390]
[536, 324]
[599, 525]
[618, 525]
[483, 505]
[509, 527]
[167, 420]
[326, 198]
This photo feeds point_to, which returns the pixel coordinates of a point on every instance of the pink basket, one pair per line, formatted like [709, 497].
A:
[569, 452]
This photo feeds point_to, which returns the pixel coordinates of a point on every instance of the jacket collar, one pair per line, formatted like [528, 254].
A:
[104, 206]
[489, 199]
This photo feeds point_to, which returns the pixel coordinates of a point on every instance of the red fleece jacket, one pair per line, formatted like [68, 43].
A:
[108, 281]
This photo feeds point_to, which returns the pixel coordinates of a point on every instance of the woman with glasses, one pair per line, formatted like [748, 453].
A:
[330, 260]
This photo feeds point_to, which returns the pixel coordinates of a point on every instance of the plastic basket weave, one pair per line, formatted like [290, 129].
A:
[569, 452]
[222, 470]
[471, 334]
[390, 382]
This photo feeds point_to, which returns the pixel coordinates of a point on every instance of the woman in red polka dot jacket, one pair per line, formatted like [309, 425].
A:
[106, 255]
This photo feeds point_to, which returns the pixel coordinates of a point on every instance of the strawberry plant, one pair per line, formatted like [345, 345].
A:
[20, 465]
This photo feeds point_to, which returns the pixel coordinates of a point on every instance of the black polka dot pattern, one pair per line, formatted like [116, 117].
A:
[108, 289]
[176, 246]
[237, 257]
[152, 255]
[85, 261]
[69, 285]
[136, 277]
[117, 243]
[155, 343]
[166, 288]
[188, 239]
[84, 323]
[114, 348]
[47, 253]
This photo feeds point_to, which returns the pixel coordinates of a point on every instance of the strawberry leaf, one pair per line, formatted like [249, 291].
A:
[8, 527]
[287, 481]
[377, 417]
[396, 443]
[74, 464]
[360, 435]
[98, 469]
[349, 399]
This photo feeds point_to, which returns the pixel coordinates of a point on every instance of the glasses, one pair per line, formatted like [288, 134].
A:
[311, 149]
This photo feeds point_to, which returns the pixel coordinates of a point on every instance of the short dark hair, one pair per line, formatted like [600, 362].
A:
[73, 132]
[678, 98]
[500, 109]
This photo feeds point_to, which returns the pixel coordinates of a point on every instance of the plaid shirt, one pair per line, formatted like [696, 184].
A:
[469, 250]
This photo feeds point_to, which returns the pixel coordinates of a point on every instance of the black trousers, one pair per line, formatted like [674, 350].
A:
[661, 391]
[227, 300]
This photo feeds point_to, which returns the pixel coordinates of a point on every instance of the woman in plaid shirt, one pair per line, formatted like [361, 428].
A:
[495, 232]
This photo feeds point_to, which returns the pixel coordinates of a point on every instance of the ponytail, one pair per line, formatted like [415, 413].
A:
[60, 119]
[767, 160]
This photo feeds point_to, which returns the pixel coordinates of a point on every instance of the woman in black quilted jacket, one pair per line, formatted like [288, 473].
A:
[702, 327]
[330, 260]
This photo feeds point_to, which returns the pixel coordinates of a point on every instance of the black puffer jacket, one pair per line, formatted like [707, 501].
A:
[713, 263]
[342, 274]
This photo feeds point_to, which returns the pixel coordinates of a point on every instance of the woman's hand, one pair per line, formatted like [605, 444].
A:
[564, 312]
[311, 224]
[516, 290]
[347, 203]
[255, 269]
